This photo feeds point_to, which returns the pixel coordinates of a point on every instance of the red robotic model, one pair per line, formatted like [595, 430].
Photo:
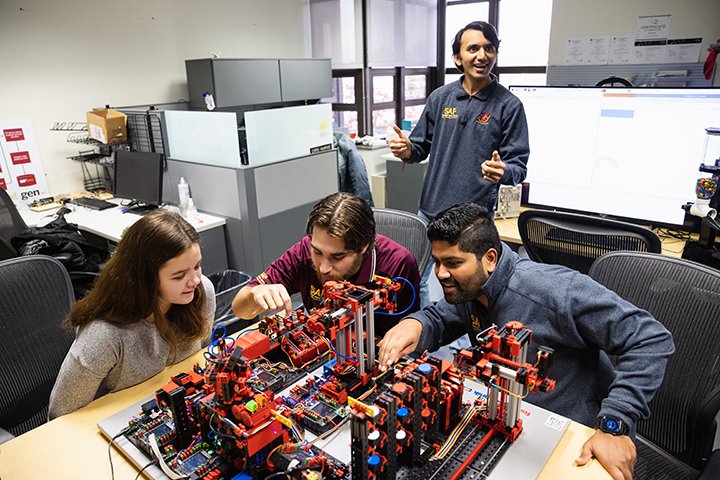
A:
[499, 361]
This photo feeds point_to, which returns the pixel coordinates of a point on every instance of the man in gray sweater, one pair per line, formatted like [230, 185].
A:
[484, 282]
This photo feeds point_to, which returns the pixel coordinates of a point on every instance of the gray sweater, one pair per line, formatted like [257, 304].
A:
[582, 321]
[106, 357]
[459, 132]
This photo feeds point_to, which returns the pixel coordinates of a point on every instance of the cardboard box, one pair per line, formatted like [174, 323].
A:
[107, 125]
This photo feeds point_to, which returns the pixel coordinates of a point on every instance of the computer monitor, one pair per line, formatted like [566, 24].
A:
[138, 177]
[629, 153]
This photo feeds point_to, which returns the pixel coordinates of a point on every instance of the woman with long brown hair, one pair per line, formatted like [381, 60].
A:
[150, 307]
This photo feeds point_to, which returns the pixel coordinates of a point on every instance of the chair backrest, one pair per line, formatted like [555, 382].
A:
[11, 224]
[685, 297]
[35, 296]
[407, 229]
[576, 240]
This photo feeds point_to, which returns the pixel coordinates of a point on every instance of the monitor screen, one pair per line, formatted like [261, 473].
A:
[631, 153]
[138, 176]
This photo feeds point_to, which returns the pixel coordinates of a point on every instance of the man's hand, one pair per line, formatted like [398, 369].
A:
[400, 146]
[617, 454]
[272, 297]
[398, 341]
[492, 170]
[252, 300]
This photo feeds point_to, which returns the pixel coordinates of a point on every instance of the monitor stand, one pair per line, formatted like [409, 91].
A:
[140, 208]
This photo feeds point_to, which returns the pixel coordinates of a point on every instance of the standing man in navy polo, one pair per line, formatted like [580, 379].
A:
[341, 244]
[474, 131]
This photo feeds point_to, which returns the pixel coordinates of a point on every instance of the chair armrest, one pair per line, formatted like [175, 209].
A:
[5, 436]
[712, 467]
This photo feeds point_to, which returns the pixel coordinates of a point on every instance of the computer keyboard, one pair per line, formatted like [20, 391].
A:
[92, 203]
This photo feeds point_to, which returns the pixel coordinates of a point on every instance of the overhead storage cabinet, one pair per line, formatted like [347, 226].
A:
[234, 82]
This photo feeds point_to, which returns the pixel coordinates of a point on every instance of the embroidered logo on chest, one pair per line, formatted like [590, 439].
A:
[316, 293]
[483, 118]
[450, 113]
[475, 321]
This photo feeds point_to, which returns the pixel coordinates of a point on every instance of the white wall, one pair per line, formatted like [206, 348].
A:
[581, 18]
[60, 59]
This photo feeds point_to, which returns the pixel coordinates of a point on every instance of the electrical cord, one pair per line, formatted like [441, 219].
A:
[154, 462]
[112, 470]
[277, 475]
[124, 431]
[669, 233]
[412, 302]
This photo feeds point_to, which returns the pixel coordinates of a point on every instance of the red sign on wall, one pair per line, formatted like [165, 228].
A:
[18, 158]
[26, 180]
[13, 134]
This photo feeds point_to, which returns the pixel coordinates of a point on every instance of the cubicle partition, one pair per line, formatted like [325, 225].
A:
[265, 206]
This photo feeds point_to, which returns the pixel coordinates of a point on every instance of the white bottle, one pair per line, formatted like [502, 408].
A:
[183, 195]
[209, 101]
[190, 211]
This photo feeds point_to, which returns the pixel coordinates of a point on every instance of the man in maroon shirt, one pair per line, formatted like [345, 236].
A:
[341, 244]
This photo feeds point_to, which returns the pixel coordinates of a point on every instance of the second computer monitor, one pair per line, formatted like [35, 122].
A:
[138, 177]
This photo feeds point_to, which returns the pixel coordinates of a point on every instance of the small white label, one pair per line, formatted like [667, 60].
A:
[97, 133]
[556, 422]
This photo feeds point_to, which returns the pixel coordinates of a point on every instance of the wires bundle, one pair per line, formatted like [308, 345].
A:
[455, 434]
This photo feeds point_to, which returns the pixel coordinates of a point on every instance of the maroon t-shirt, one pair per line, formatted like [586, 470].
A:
[294, 269]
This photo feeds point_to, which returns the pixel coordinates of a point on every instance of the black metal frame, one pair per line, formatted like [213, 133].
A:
[364, 105]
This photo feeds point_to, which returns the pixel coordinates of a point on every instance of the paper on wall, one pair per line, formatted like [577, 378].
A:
[21, 171]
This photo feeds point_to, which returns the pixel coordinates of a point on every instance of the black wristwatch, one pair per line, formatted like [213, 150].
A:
[612, 425]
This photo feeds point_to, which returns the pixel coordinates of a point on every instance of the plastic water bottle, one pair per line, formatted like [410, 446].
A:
[209, 101]
[191, 211]
[183, 195]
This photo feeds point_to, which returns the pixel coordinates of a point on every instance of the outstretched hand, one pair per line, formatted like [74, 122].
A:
[400, 146]
[617, 454]
[272, 297]
[493, 169]
[398, 341]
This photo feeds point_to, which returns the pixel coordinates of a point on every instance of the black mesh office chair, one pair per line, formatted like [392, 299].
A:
[613, 81]
[685, 297]
[36, 295]
[407, 229]
[577, 240]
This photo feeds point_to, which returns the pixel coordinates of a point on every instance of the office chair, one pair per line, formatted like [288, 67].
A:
[36, 295]
[576, 240]
[613, 81]
[407, 229]
[677, 439]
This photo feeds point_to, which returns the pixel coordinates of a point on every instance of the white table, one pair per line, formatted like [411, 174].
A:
[109, 225]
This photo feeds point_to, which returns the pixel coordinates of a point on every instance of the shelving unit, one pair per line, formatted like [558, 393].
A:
[96, 163]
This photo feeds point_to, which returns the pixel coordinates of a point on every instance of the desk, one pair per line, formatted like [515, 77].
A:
[109, 225]
[509, 233]
[71, 446]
